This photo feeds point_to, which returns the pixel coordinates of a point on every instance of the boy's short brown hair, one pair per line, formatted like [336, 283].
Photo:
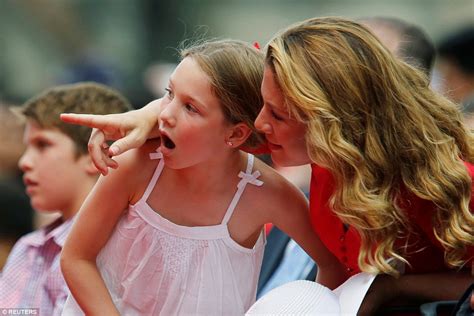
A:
[84, 97]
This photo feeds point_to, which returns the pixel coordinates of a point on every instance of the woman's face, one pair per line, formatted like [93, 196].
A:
[285, 135]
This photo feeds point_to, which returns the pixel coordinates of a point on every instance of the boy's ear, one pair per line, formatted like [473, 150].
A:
[238, 135]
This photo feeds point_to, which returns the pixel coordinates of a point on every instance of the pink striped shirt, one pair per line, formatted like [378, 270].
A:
[31, 277]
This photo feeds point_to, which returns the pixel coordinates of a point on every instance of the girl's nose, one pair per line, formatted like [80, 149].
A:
[167, 115]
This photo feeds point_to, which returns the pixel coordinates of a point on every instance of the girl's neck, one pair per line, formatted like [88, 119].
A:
[209, 176]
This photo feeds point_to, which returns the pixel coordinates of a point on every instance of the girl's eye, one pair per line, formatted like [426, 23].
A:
[190, 108]
[169, 93]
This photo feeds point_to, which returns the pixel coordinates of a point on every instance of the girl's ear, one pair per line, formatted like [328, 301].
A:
[238, 135]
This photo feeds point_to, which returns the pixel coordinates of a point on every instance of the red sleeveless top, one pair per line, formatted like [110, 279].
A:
[425, 253]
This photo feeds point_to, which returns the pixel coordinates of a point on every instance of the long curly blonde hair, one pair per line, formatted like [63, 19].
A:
[384, 134]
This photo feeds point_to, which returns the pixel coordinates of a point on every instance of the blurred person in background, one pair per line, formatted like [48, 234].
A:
[58, 175]
[11, 145]
[456, 67]
[16, 216]
[156, 76]
[407, 41]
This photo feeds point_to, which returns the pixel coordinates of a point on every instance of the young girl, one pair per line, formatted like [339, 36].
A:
[178, 228]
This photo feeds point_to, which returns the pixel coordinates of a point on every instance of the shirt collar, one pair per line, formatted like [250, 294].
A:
[57, 231]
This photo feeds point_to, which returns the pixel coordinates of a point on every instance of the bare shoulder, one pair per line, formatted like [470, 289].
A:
[275, 182]
[277, 194]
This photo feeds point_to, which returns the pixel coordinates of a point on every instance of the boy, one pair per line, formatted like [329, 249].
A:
[58, 175]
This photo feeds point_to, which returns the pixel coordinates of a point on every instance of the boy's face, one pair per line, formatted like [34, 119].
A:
[53, 175]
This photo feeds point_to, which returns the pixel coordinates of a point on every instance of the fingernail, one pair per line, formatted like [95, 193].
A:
[113, 150]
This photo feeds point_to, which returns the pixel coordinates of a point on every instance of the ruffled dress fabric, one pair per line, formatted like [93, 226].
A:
[152, 266]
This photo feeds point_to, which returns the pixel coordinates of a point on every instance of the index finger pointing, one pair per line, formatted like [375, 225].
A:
[89, 120]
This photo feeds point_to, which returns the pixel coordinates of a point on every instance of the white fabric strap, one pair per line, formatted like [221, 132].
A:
[156, 155]
[250, 159]
[247, 177]
[156, 174]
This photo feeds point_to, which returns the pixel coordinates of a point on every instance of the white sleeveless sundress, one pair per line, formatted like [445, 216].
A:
[152, 266]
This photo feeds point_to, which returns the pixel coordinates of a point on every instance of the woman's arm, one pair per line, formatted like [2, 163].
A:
[130, 130]
[93, 227]
[414, 288]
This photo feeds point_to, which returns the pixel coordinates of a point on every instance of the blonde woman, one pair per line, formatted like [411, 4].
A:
[392, 162]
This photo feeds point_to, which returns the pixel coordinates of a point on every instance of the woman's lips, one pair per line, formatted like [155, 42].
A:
[273, 146]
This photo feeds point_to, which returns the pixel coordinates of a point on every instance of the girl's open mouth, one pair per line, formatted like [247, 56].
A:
[167, 142]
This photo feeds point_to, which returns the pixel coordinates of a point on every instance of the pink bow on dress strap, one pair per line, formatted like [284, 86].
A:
[156, 155]
[249, 178]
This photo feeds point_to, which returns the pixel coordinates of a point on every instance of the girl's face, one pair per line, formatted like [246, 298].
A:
[285, 136]
[192, 124]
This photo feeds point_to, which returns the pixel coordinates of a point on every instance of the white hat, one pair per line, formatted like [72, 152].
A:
[297, 298]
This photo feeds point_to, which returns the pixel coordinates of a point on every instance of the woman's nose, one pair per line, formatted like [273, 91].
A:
[261, 123]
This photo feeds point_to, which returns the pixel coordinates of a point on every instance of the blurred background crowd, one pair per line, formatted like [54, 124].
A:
[131, 46]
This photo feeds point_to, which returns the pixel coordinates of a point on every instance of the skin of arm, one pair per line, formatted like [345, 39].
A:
[130, 130]
[91, 231]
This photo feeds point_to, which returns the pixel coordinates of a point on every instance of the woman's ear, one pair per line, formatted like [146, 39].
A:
[238, 135]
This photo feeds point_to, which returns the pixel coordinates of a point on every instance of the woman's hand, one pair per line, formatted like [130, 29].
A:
[128, 130]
